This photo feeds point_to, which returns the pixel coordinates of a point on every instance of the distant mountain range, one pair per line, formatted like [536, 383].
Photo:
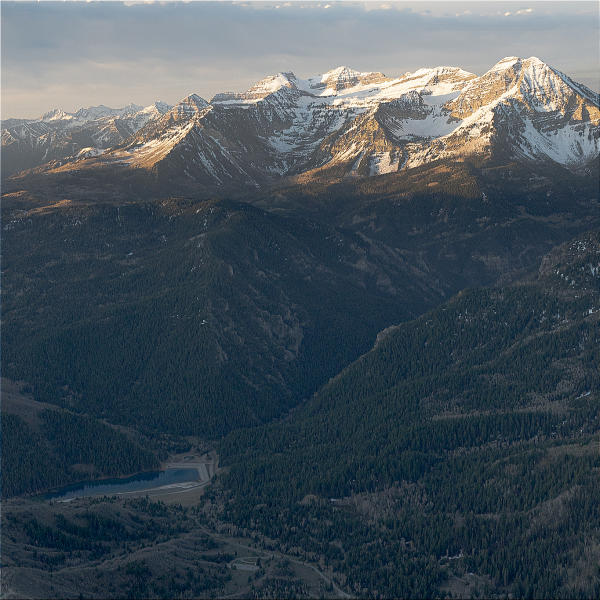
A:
[341, 124]
[57, 135]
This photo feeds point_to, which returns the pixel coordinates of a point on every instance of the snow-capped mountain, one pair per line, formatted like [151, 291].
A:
[57, 134]
[524, 109]
[345, 123]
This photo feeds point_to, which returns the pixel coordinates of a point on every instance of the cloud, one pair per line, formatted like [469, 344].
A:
[522, 11]
[73, 54]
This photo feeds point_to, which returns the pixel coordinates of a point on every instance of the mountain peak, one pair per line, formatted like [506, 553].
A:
[535, 79]
[161, 106]
[92, 113]
[157, 108]
[101, 109]
[187, 107]
[534, 60]
[505, 63]
[344, 77]
[193, 100]
[516, 62]
[515, 76]
[341, 71]
[56, 114]
[261, 89]
[272, 83]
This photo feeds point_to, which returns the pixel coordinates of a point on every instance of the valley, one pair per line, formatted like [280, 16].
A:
[329, 337]
[469, 439]
[440, 453]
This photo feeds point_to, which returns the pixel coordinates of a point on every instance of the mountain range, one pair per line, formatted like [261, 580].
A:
[340, 124]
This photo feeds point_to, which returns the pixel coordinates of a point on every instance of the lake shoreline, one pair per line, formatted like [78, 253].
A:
[204, 466]
[116, 486]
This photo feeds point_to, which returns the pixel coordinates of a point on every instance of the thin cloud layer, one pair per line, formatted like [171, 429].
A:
[73, 54]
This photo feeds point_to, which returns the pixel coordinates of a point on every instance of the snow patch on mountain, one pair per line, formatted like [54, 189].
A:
[383, 162]
[89, 152]
[150, 152]
[572, 145]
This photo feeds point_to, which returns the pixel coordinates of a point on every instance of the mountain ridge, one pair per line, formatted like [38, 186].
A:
[57, 134]
[348, 124]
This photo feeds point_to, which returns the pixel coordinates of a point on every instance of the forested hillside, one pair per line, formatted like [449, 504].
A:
[189, 317]
[460, 454]
[44, 447]
[197, 317]
[457, 456]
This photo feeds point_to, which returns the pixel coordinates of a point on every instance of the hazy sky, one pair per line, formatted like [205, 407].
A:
[72, 54]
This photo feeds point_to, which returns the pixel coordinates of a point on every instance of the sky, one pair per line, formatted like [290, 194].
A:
[73, 54]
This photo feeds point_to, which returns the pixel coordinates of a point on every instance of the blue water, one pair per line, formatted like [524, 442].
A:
[135, 483]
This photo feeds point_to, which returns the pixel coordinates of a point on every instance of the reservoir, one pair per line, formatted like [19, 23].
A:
[177, 478]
